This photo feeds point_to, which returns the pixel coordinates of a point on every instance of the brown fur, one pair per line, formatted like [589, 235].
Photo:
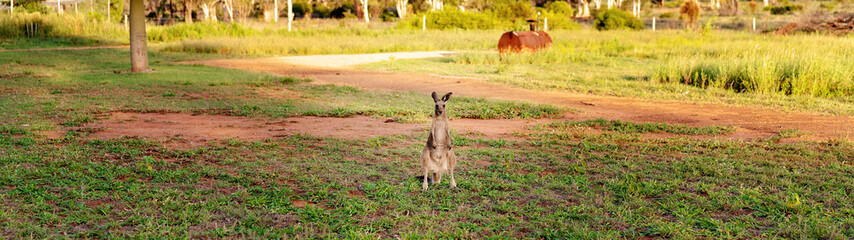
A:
[438, 155]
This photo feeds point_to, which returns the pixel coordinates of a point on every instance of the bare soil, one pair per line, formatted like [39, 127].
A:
[183, 130]
[753, 122]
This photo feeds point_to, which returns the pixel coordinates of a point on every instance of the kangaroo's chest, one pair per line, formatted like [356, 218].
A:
[441, 136]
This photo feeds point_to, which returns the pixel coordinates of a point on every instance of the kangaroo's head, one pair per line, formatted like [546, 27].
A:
[440, 103]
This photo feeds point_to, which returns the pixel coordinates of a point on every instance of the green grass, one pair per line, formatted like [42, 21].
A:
[803, 73]
[552, 184]
[555, 180]
[630, 127]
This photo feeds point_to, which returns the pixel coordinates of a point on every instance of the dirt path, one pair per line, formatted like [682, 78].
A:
[62, 48]
[753, 121]
[183, 130]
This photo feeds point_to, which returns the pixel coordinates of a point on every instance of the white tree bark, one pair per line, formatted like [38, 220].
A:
[275, 11]
[230, 10]
[58, 7]
[436, 5]
[206, 11]
[290, 14]
[401, 8]
[764, 3]
[583, 9]
[597, 3]
[365, 11]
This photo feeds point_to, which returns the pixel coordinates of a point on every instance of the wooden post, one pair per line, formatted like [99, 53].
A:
[58, 7]
[290, 14]
[126, 22]
[108, 10]
[11, 7]
[424, 23]
[276, 11]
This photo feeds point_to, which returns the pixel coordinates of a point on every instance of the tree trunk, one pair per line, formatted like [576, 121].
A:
[401, 8]
[583, 9]
[365, 11]
[290, 14]
[138, 49]
[188, 12]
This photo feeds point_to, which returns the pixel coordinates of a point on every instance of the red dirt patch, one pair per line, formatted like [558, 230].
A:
[756, 122]
[183, 130]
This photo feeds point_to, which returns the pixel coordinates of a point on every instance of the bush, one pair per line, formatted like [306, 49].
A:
[785, 9]
[616, 19]
[32, 6]
[301, 9]
[667, 15]
[560, 8]
[513, 10]
[345, 10]
[388, 16]
[196, 31]
[322, 11]
[560, 21]
[451, 18]
[58, 26]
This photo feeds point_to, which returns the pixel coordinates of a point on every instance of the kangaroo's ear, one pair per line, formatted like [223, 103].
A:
[435, 99]
[446, 97]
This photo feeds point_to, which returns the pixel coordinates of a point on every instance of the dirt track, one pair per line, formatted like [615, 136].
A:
[752, 121]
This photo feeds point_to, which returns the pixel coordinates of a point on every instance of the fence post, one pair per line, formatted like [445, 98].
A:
[424, 23]
[545, 24]
[754, 24]
[653, 24]
[11, 7]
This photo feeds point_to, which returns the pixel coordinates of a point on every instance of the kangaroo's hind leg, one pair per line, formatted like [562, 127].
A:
[426, 176]
[437, 178]
[453, 158]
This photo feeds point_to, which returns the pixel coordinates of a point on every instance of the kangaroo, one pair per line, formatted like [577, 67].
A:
[437, 156]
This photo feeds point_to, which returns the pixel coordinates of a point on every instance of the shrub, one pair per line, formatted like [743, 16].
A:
[302, 9]
[787, 8]
[388, 16]
[322, 11]
[513, 10]
[560, 8]
[667, 15]
[828, 6]
[616, 19]
[196, 31]
[451, 18]
[690, 12]
[560, 21]
[32, 6]
[345, 10]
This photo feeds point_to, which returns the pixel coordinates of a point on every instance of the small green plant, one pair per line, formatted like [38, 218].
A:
[613, 19]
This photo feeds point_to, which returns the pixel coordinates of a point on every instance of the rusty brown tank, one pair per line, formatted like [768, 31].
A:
[523, 41]
[519, 41]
